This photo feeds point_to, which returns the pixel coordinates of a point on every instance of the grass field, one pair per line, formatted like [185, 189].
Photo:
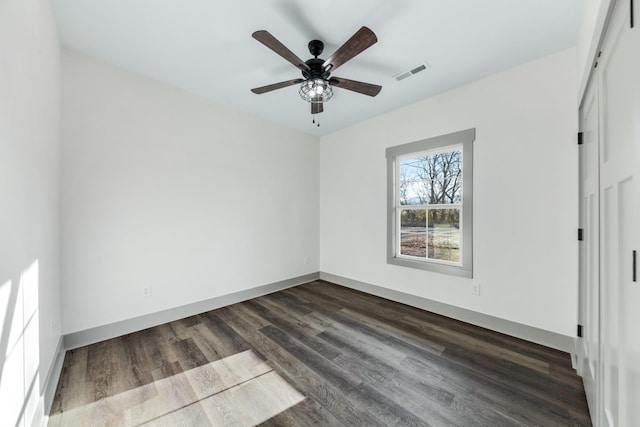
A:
[440, 242]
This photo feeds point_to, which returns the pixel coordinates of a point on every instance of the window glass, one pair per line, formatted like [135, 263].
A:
[431, 179]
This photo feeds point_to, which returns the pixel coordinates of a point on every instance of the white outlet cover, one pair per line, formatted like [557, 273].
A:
[475, 288]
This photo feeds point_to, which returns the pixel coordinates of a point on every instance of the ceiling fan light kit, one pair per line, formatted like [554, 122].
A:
[316, 87]
[316, 90]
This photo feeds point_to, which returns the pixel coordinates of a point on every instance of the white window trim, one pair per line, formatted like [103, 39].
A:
[441, 143]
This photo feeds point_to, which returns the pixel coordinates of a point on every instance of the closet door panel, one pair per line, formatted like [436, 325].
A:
[619, 95]
[589, 276]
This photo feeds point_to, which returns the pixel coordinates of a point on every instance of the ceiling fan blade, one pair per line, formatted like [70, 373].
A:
[355, 86]
[269, 88]
[274, 44]
[361, 40]
[316, 107]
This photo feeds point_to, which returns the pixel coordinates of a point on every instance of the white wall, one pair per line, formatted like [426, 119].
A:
[165, 189]
[525, 195]
[29, 151]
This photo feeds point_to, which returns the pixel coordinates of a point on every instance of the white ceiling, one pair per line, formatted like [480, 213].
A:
[205, 46]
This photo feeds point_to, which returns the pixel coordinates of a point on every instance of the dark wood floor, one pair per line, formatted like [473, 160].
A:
[354, 359]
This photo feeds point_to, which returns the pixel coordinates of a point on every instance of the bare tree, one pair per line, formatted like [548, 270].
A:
[404, 186]
[433, 179]
[442, 177]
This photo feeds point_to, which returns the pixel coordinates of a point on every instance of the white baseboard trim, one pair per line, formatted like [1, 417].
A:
[51, 381]
[529, 333]
[112, 330]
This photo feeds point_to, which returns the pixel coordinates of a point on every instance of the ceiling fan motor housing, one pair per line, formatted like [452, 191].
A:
[316, 69]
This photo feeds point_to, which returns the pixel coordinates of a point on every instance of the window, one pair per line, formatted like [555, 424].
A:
[430, 204]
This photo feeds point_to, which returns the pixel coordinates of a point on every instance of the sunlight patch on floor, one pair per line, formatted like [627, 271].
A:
[239, 390]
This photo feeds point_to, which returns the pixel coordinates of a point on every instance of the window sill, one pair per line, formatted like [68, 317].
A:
[431, 266]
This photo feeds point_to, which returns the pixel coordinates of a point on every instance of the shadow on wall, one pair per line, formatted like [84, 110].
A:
[20, 397]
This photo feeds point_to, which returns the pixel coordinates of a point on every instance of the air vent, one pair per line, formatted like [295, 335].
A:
[414, 70]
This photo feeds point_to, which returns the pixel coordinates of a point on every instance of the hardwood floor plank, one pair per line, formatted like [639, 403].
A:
[251, 319]
[299, 331]
[377, 348]
[205, 340]
[136, 356]
[166, 339]
[175, 403]
[277, 308]
[224, 374]
[383, 409]
[375, 371]
[269, 395]
[225, 339]
[189, 354]
[70, 392]
[102, 377]
[332, 373]
[292, 302]
[306, 413]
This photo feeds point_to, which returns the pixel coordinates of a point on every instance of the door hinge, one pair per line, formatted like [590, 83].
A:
[580, 234]
[634, 266]
[580, 138]
[631, 13]
[579, 331]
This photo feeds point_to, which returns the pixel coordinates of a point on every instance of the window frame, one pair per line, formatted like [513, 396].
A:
[442, 143]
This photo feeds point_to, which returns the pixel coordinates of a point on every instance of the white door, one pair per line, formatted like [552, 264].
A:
[589, 346]
[618, 79]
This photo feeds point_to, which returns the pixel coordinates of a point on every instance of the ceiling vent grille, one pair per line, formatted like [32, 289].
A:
[414, 70]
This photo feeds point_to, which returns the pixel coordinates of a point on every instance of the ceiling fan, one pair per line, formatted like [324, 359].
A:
[317, 82]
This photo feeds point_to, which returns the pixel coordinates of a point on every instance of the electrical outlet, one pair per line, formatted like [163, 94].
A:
[306, 259]
[475, 288]
[146, 291]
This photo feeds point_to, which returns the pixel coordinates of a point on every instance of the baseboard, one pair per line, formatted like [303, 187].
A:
[101, 333]
[112, 330]
[529, 333]
[51, 381]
